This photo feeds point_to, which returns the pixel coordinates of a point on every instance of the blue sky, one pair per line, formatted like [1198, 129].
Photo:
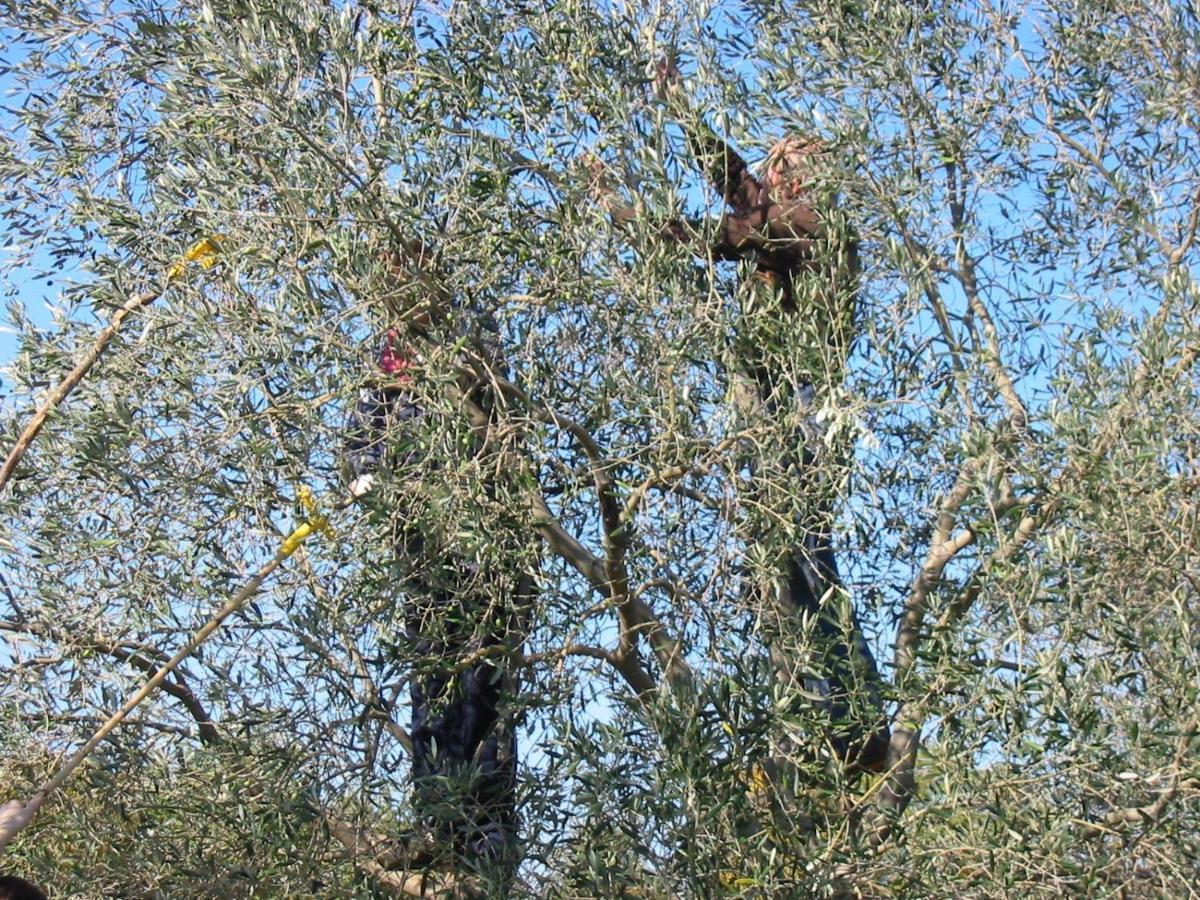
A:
[30, 286]
[35, 292]
[35, 295]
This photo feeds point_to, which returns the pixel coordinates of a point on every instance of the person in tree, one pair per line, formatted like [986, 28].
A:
[800, 267]
[464, 745]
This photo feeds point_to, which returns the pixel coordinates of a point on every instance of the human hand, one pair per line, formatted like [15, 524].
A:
[668, 83]
[14, 815]
[361, 485]
[603, 188]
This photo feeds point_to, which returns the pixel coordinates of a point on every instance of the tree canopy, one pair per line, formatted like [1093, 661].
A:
[1010, 438]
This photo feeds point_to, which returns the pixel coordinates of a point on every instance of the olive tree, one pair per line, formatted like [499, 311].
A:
[1008, 443]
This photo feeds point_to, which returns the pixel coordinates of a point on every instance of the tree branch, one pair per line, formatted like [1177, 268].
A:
[966, 273]
[231, 606]
[138, 658]
[1150, 813]
[60, 393]
[897, 790]
[386, 866]
[609, 575]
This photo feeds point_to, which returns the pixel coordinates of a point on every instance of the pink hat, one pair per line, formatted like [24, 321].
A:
[392, 360]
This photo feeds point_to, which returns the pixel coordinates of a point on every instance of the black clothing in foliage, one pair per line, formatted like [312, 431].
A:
[464, 754]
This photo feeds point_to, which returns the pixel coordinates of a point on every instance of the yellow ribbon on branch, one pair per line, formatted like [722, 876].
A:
[316, 522]
[203, 252]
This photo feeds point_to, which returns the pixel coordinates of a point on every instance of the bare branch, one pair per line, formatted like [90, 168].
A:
[60, 393]
[1150, 813]
[377, 857]
[141, 659]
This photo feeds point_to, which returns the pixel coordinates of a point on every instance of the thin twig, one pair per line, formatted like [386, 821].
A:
[231, 606]
[69, 383]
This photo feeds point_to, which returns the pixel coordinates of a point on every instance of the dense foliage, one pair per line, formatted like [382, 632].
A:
[1013, 446]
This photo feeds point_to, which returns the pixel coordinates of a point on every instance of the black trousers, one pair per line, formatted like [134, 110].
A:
[848, 682]
[464, 751]
[849, 667]
[464, 748]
